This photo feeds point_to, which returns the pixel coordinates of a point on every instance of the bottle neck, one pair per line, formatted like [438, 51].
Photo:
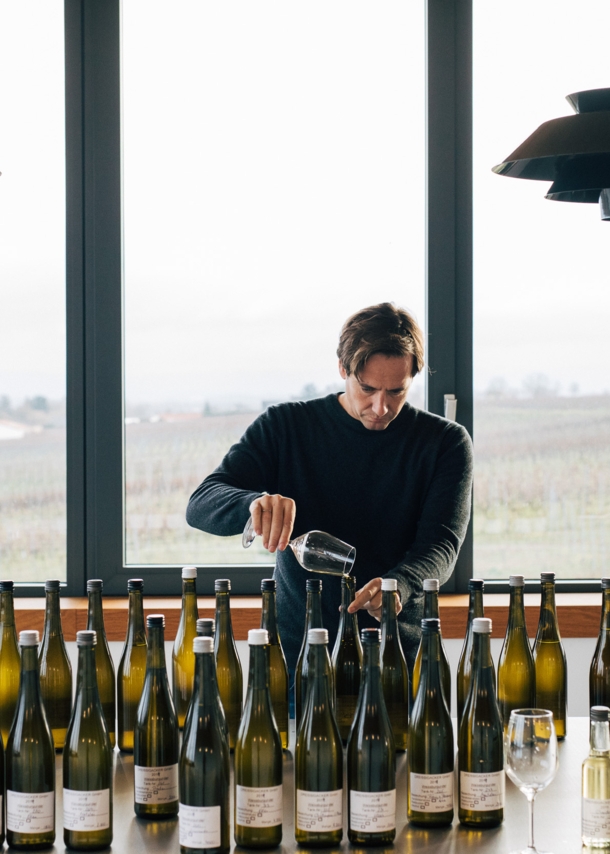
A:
[348, 627]
[52, 616]
[189, 600]
[475, 605]
[313, 619]
[547, 626]
[155, 656]
[388, 615]
[430, 678]
[600, 737]
[7, 610]
[29, 687]
[605, 621]
[269, 615]
[223, 614]
[95, 614]
[371, 673]
[483, 670]
[86, 677]
[431, 603]
[318, 687]
[258, 672]
[135, 620]
[205, 686]
[516, 612]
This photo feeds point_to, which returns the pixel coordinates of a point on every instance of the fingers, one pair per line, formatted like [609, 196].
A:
[273, 519]
[368, 598]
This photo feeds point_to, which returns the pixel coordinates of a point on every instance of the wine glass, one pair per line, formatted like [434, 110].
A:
[531, 757]
[316, 551]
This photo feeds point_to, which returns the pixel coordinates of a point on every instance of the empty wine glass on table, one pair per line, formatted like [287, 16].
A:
[531, 757]
[316, 551]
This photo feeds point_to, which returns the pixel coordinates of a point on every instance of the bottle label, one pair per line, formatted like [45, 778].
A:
[482, 792]
[86, 810]
[156, 785]
[256, 807]
[199, 827]
[596, 818]
[431, 792]
[372, 812]
[319, 812]
[30, 812]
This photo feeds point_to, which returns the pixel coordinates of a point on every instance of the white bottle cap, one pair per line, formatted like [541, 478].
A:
[258, 637]
[189, 572]
[29, 638]
[430, 584]
[481, 625]
[317, 636]
[203, 644]
[389, 584]
[516, 580]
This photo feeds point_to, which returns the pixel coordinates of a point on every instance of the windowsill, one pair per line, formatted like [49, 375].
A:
[578, 613]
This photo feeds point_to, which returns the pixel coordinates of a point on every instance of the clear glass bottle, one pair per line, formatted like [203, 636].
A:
[596, 782]
[347, 661]
[55, 667]
[464, 672]
[183, 658]
[516, 673]
[394, 672]
[132, 667]
[10, 661]
[313, 620]
[431, 588]
[550, 663]
[106, 681]
[278, 671]
[599, 672]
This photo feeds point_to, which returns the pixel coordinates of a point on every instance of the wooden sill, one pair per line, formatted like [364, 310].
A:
[578, 613]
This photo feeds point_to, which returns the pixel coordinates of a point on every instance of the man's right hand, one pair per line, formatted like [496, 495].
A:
[273, 520]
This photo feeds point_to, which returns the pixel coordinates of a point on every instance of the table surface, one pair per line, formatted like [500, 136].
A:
[557, 813]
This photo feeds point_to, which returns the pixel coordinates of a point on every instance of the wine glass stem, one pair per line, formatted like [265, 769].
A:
[530, 802]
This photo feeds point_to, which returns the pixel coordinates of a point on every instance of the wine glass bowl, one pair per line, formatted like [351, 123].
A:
[316, 551]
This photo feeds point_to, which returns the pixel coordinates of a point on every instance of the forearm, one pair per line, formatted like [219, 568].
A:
[219, 507]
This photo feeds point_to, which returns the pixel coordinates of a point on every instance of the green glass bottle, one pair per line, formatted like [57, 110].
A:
[183, 658]
[30, 760]
[431, 588]
[87, 760]
[228, 666]
[313, 620]
[3, 802]
[550, 659]
[106, 682]
[599, 672]
[204, 770]
[516, 676]
[55, 668]
[371, 757]
[10, 661]
[430, 751]
[480, 740]
[258, 757]
[156, 737]
[464, 673]
[132, 666]
[278, 671]
[206, 627]
[394, 672]
[347, 661]
[318, 758]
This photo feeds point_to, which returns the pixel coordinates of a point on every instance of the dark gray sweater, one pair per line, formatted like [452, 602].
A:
[401, 496]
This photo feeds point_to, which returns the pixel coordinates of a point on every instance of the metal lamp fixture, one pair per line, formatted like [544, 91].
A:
[573, 152]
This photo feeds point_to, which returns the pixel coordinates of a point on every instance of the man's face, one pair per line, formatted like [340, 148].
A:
[376, 397]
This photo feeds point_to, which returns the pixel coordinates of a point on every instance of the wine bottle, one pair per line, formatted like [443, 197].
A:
[132, 667]
[371, 757]
[206, 627]
[313, 620]
[394, 672]
[480, 740]
[516, 672]
[599, 672]
[278, 671]
[106, 683]
[550, 659]
[431, 587]
[228, 666]
[596, 782]
[318, 758]
[10, 662]
[55, 668]
[258, 757]
[183, 658]
[430, 751]
[30, 760]
[347, 661]
[156, 737]
[204, 771]
[87, 760]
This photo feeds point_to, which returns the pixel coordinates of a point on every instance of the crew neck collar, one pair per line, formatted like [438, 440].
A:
[348, 422]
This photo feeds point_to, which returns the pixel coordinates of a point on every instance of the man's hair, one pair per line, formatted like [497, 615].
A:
[382, 328]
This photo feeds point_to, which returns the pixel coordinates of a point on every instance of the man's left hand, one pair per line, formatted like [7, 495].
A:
[368, 598]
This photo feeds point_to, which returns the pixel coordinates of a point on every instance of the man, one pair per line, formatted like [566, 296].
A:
[365, 466]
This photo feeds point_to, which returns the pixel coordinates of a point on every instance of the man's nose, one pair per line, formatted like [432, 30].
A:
[380, 406]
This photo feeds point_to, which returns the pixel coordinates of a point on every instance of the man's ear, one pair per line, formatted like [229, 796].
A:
[342, 370]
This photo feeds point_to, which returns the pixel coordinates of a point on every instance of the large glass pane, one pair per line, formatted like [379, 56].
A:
[32, 272]
[542, 298]
[274, 184]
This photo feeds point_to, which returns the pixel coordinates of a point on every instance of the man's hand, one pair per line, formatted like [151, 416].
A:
[368, 598]
[273, 520]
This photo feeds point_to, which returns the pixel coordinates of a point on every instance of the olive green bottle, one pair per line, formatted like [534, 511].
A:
[204, 770]
[106, 682]
[347, 661]
[550, 659]
[394, 672]
[371, 757]
[55, 668]
[156, 736]
[278, 671]
[599, 672]
[30, 760]
[206, 627]
[132, 666]
[431, 588]
[516, 672]
[318, 758]
[258, 757]
[480, 740]
[10, 662]
[228, 666]
[313, 620]
[183, 658]
[464, 673]
[430, 751]
[87, 760]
